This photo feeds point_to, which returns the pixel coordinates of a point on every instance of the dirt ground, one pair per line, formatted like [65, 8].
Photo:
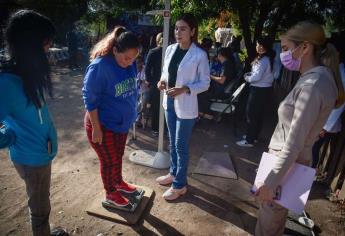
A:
[213, 206]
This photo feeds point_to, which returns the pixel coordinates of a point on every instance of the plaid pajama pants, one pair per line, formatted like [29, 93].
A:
[109, 153]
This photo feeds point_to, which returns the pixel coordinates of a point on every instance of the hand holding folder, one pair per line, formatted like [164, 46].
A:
[293, 191]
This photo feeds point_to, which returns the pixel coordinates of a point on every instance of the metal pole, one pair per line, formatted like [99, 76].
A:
[165, 45]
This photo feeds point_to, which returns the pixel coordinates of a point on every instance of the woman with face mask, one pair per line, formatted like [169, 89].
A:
[185, 74]
[301, 114]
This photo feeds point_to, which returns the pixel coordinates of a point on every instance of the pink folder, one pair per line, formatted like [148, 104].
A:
[295, 186]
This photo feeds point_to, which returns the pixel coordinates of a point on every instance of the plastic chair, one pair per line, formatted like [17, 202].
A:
[228, 106]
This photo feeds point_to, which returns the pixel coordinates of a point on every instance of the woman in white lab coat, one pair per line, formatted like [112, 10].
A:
[185, 74]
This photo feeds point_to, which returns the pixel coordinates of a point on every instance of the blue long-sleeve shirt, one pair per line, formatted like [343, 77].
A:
[27, 129]
[112, 90]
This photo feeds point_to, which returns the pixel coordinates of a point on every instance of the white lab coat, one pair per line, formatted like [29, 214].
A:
[193, 72]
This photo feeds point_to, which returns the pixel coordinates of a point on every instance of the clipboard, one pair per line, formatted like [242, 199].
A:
[295, 186]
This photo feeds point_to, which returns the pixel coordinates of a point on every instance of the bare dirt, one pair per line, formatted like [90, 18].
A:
[213, 206]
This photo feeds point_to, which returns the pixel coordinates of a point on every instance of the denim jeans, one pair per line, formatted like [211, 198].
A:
[180, 131]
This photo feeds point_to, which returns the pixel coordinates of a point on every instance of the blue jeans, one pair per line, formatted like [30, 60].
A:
[180, 131]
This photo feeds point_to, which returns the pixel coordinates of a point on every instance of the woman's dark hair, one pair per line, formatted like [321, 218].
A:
[192, 23]
[226, 52]
[125, 41]
[26, 33]
[267, 44]
[236, 44]
[119, 38]
[337, 40]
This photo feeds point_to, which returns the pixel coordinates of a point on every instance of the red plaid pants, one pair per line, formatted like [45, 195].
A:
[109, 153]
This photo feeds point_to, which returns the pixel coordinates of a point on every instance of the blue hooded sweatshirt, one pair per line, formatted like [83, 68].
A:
[112, 90]
[26, 129]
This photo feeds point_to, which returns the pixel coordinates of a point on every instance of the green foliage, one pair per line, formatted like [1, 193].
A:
[250, 18]
[243, 55]
[207, 28]
[63, 13]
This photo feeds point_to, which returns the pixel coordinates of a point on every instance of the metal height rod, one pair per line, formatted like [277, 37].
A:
[166, 17]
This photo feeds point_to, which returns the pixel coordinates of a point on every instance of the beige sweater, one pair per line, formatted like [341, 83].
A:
[302, 115]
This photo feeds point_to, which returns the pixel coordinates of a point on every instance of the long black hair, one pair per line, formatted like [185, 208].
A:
[267, 44]
[26, 33]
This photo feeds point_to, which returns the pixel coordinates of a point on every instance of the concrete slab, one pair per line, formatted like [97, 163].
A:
[119, 216]
[216, 164]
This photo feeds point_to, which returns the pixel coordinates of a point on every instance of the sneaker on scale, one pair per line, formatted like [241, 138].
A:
[125, 187]
[244, 143]
[165, 179]
[115, 198]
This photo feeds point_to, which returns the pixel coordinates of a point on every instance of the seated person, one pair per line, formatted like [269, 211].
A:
[218, 82]
[228, 73]
[215, 66]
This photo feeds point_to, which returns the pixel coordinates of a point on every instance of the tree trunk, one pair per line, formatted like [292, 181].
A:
[265, 8]
[243, 13]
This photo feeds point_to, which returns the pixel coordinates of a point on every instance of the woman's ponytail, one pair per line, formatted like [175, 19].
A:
[105, 46]
[119, 38]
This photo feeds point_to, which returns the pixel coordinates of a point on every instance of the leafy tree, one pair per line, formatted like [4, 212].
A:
[62, 12]
[257, 17]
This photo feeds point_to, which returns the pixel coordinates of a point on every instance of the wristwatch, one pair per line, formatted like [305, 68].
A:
[188, 90]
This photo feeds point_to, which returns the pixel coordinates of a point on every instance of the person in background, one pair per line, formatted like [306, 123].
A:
[27, 129]
[301, 114]
[260, 90]
[206, 44]
[72, 44]
[218, 83]
[110, 95]
[153, 70]
[235, 46]
[215, 66]
[227, 74]
[143, 92]
[185, 74]
[333, 124]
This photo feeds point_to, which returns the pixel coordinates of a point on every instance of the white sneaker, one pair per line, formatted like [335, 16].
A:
[245, 136]
[165, 179]
[172, 193]
[244, 143]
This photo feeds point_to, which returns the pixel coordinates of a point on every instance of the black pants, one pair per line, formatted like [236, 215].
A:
[204, 102]
[154, 98]
[317, 146]
[73, 59]
[212, 93]
[258, 99]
